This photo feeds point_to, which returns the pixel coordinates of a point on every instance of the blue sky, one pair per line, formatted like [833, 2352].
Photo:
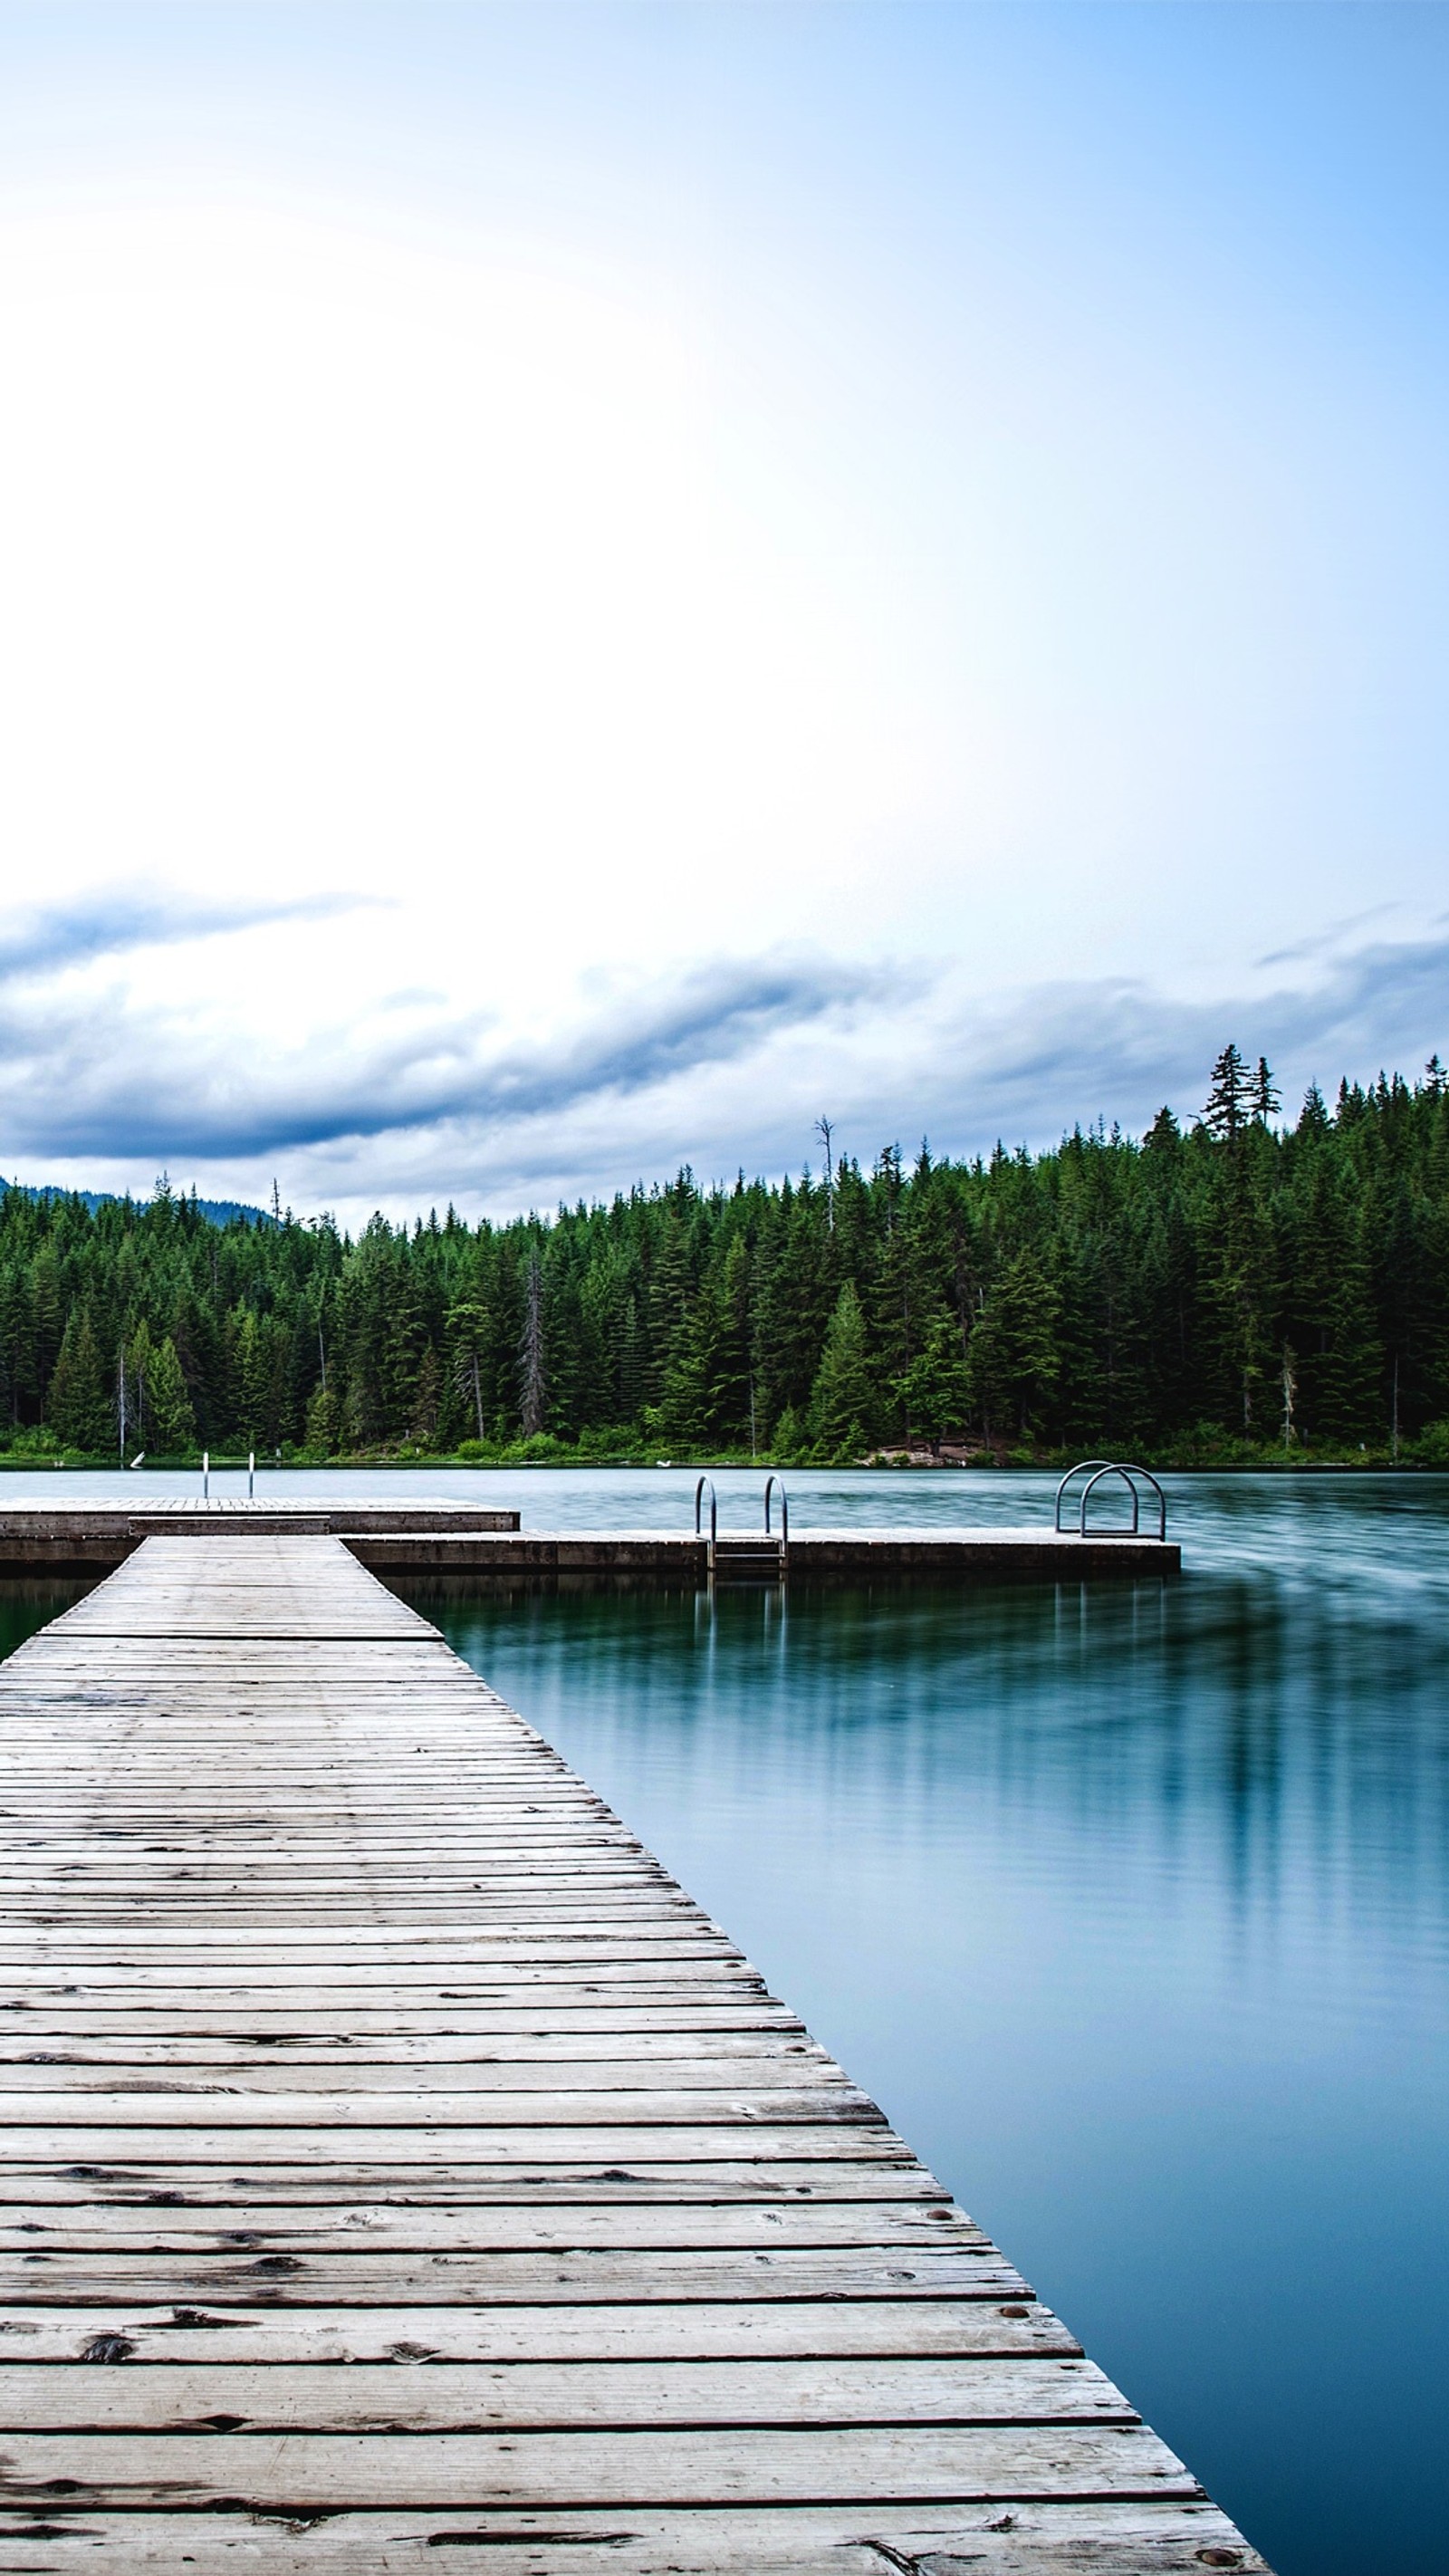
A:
[584, 585]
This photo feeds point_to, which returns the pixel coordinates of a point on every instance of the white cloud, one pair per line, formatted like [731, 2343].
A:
[534, 783]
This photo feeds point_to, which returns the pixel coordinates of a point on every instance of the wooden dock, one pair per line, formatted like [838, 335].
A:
[396, 2160]
[461, 1541]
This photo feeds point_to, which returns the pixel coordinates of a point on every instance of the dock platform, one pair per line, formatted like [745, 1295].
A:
[446, 1540]
[396, 2160]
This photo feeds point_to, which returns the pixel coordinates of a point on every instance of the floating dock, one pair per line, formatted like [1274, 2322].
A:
[396, 2160]
[443, 1540]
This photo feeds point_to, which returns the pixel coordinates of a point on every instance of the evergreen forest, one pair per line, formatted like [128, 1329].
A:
[1242, 1288]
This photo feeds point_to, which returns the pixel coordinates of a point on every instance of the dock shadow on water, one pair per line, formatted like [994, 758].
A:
[1131, 1905]
[27, 1605]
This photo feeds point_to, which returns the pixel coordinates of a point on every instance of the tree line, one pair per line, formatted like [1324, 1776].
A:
[1239, 1286]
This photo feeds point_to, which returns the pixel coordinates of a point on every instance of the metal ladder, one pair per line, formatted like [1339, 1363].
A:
[745, 1556]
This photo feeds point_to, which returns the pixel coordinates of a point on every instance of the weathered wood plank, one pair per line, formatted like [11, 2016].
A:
[322, 2472]
[1054, 2538]
[355, 2272]
[686, 2329]
[453, 2397]
[521, 2057]
[304, 2096]
[509, 2226]
[405, 2140]
[160, 2178]
[577, 2018]
[460, 2066]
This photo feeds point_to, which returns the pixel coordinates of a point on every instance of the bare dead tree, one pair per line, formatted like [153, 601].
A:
[825, 1129]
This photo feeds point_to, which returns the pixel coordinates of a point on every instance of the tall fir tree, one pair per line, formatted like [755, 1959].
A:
[79, 1404]
[843, 1401]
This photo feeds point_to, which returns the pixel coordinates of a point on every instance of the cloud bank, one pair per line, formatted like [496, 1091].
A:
[110, 921]
[413, 1100]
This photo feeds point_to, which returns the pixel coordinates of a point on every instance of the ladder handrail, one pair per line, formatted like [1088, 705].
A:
[1096, 1470]
[713, 1512]
[770, 1482]
[1083, 1467]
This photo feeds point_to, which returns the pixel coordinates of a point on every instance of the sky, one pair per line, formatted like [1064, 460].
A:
[581, 587]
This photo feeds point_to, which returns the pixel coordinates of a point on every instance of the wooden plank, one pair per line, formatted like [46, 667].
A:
[515, 2226]
[434, 2063]
[155, 2118]
[430, 2040]
[342, 2272]
[143, 2331]
[419, 2148]
[749, 2088]
[279, 2095]
[453, 2397]
[575, 2016]
[1028, 2538]
[449, 1980]
[163, 2178]
[322, 2472]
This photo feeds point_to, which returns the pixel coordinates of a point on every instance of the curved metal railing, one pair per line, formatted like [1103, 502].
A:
[771, 1482]
[713, 1513]
[1083, 1467]
[1096, 1471]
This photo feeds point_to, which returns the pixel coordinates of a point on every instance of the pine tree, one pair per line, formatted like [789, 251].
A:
[324, 1421]
[173, 1423]
[671, 1289]
[731, 1379]
[631, 1360]
[1230, 1098]
[48, 1308]
[469, 1336]
[796, 1290]
[135, 1420]
[78, 1405]
[533, 1378]
[427, 1395]
[935, 1390]
[1265, 1094]
[17, 1344]
[1242, 1292]
[842, 1400]
[1014, 1357]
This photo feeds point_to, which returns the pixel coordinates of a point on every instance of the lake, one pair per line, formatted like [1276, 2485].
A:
[1130, 1904]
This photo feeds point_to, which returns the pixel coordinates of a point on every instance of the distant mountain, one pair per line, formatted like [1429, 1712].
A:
[215, 1211]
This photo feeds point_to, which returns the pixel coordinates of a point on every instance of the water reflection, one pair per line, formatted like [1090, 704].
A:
[1203, 1728]
[1131, 1903]
[27, 1603]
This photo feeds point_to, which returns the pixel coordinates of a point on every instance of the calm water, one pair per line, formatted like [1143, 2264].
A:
[1131, 1905]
